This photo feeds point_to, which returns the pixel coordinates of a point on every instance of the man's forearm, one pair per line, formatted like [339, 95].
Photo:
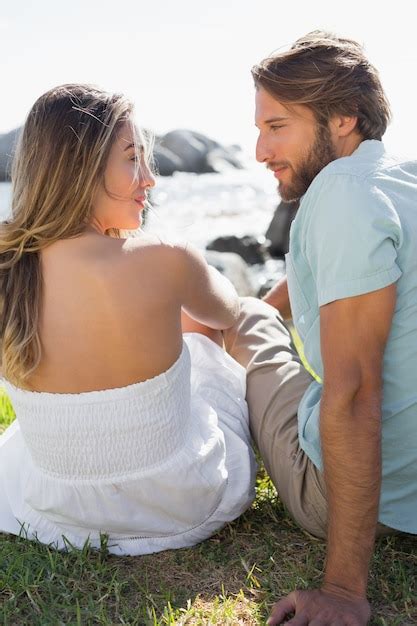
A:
[351, 446]
[278, 298]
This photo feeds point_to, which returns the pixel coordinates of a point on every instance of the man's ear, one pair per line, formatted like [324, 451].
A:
[344, 125]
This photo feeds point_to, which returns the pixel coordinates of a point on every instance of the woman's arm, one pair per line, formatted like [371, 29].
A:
[207, 296]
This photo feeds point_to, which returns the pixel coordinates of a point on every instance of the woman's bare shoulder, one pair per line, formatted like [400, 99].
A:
[108, 259]
[152, 247]
[144, 241]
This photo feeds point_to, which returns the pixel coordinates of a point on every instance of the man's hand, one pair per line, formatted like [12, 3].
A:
[354, 332]
[320, 608]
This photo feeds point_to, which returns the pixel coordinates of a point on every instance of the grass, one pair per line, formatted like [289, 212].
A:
[231, 579]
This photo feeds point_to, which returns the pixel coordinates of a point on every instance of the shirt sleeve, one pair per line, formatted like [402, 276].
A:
[351, 239]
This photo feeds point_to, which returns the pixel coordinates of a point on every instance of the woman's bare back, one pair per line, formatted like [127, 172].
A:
[110, 314]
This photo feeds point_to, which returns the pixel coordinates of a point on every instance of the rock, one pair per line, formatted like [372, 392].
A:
[221, 160]
[253, 279]
[265, 276]
[197, 153]
[234, 268]
[251, 249]
[177, 151]
[7, 146]
[278, 231]
[166, 162]
[190, 148]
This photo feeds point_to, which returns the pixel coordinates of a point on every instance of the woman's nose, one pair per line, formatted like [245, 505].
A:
[147, 179]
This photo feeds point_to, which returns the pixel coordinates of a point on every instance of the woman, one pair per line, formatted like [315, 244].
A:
[124, 426]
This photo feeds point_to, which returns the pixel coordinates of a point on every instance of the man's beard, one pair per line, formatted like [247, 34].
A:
[321, 153]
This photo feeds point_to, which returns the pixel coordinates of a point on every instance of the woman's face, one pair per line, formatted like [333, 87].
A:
[120, 201]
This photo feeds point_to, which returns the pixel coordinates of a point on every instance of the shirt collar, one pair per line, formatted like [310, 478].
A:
[369, 146]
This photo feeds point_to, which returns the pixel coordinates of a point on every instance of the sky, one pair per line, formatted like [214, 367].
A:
[186, 63]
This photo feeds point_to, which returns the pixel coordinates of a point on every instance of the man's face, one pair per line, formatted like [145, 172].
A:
[291, 143]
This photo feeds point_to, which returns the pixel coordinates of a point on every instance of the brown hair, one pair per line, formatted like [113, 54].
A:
[331, 76]
[58, 165]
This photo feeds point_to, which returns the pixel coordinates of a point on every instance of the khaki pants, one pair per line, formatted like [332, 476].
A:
[276, 382]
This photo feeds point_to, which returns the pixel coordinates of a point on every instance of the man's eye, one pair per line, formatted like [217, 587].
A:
[276, 127]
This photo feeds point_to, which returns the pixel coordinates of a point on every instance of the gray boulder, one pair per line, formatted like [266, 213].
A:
[7, 146]
[234, 268]
[251, 249]
[278, 231]
[166, 162]
[196, 152]
[177, 151]
[191, 150]
[267, 275]
[248, 280]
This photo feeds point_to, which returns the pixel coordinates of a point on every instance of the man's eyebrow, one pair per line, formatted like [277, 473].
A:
[279, 118]
[130, 145]
[271, 120]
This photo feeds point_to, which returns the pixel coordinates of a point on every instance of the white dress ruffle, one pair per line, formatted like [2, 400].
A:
[159, 464]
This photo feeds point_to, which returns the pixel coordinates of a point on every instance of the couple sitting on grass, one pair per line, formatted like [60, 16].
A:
[139, 378]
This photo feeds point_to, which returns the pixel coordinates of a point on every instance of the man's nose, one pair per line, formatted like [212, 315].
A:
[263, 151]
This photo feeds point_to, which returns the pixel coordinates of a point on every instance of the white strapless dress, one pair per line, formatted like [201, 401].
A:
[159, 464]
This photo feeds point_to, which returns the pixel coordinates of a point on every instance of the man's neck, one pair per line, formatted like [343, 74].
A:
[348, 145]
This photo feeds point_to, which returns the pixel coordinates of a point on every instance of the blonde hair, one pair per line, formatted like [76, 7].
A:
[58, 166]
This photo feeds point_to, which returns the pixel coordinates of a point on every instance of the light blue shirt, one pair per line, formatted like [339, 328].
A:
[356, 232]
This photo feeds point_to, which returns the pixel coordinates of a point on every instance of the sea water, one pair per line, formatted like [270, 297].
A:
[200, 207]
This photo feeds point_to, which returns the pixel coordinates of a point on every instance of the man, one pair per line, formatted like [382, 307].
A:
[341, 452]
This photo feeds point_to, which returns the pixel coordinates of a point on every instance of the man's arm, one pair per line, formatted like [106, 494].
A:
[354, 332]
[278, 297]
